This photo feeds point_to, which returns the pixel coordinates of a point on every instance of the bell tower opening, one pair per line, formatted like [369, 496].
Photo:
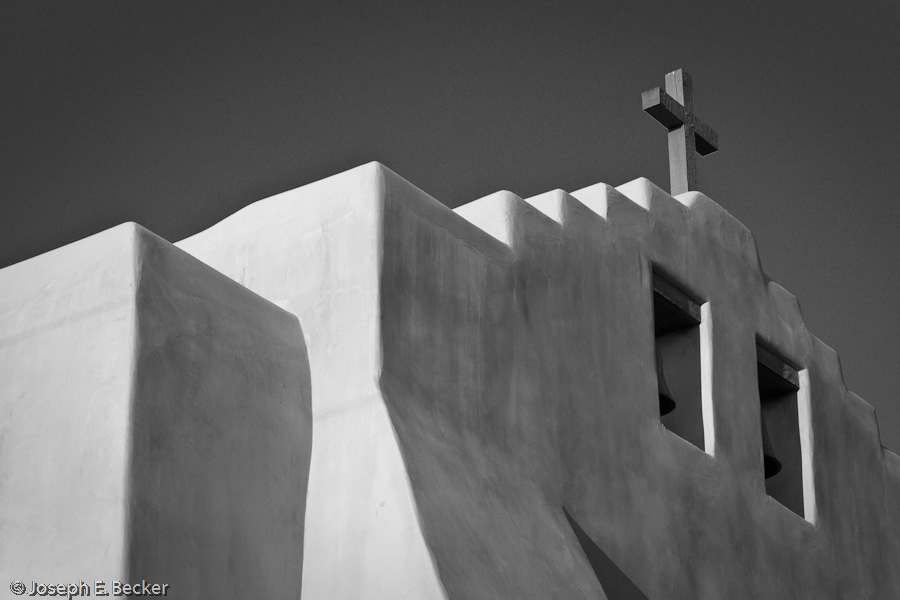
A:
[781, 388]
[677, 318]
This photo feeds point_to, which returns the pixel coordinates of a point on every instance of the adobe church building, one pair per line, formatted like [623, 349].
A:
[350, 391]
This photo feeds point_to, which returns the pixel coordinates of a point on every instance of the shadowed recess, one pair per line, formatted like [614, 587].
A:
[616, 584]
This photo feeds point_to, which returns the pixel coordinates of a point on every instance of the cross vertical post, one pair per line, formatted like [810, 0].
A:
[688, 135]
[682, 162]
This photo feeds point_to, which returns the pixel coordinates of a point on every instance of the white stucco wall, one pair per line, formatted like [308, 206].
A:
[154, 424]
[482, 395]
[512, 346]
[535, 370]
[316, 252]
[67, 322]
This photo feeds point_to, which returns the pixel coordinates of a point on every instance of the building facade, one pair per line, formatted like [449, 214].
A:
[352, 391]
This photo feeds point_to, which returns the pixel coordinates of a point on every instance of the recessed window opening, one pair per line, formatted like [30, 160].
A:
[779, 385]
[676, 321]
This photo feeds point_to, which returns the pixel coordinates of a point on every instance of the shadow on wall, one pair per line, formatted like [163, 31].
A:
[616, 584]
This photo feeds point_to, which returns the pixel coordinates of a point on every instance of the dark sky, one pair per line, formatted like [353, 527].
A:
[177, 114]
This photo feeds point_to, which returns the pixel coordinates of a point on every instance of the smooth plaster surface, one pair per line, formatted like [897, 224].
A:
[316, 252]
[507, 351]
[155, 423]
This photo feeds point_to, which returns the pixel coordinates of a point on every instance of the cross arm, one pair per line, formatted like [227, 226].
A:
[663, 108]
[707, 139]
[671, 115]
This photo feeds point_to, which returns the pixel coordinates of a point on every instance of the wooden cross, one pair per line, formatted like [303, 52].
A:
[674, 108]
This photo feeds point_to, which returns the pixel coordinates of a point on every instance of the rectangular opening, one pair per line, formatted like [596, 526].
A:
[677, 317]
[780, 388]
